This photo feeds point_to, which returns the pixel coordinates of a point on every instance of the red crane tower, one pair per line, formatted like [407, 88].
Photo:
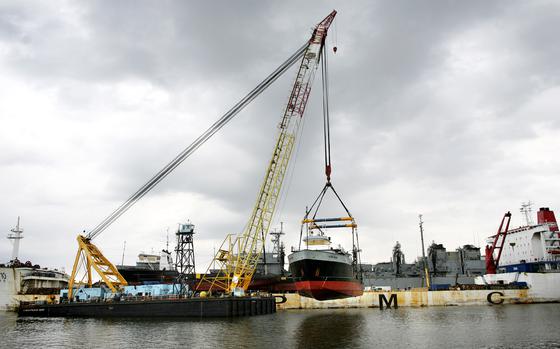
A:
[498, 244]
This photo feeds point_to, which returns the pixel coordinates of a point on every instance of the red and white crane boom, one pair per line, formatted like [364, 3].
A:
[498, 244]
[238, 255]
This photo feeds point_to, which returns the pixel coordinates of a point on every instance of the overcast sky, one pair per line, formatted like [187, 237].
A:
[445, 108]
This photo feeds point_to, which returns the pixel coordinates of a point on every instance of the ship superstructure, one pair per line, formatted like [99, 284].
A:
[445, 268]
[532, 248]
[25, 281]
[149, 268]
[529, 255]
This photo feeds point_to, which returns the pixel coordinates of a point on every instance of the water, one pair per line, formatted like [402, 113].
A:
[508, 326]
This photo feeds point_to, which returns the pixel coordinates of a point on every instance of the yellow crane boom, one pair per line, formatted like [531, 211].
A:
[238, 255]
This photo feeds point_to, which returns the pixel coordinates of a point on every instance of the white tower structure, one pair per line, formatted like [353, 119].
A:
[527, 210]
[15, 235]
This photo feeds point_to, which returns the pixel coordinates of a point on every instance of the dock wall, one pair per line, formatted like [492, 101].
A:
[411, 298]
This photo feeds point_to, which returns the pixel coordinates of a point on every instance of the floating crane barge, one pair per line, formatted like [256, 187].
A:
[172, 307]
[238, 255]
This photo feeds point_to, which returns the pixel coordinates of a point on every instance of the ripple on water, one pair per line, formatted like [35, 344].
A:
[509, 326]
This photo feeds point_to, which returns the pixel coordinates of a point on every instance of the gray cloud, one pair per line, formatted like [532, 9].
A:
[445, 109]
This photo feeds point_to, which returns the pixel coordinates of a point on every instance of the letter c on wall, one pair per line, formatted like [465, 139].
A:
[492, 300]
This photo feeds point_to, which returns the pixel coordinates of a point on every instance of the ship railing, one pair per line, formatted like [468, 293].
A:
[126, 298]
[151, 297]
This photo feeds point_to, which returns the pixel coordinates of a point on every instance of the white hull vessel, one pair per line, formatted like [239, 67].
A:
[543, 287]
[25, 282]
[531, 257]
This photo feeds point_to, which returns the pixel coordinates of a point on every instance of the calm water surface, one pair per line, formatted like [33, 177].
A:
[509, 326]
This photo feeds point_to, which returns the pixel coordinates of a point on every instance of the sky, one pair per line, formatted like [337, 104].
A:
[447, 109]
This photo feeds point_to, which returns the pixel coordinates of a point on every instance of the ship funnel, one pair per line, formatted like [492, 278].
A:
[545, 215]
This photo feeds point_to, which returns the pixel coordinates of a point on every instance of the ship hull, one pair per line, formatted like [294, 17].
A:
[137, 275]
[543, 287]
[326, 290]
[22, 284]
[324, 275]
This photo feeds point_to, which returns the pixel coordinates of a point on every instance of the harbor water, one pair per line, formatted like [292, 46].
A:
[506, 326]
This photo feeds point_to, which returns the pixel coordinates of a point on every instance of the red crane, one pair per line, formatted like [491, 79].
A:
[498, 244]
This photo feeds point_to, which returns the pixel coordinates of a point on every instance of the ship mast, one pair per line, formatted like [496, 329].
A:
[16, 236]
[527, 210]
[424, 261]
[277, 245]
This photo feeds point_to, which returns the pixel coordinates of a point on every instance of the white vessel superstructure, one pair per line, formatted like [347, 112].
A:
[531, 256]
[25, 282]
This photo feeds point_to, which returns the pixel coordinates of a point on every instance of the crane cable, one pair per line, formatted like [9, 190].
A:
[158, 177]
[326, 119]
[327, 150]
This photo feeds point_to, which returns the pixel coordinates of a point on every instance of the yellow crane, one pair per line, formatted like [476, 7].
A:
[239, 270]
[238, 255]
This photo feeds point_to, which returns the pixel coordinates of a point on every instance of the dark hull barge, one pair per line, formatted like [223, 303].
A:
[227, 307]
[324, 274]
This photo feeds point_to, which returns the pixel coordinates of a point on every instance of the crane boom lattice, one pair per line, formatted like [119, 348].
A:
[238, 256]
[498, 244]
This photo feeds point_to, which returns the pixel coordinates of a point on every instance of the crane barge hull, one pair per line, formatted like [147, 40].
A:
[225, 307]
